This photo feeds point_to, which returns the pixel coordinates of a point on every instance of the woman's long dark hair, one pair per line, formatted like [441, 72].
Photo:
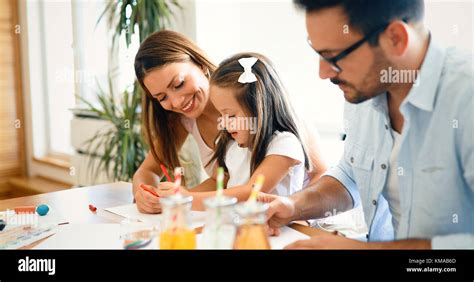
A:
[266, 99]
[159, 49]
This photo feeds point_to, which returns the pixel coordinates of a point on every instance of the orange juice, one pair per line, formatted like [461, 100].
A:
[177, 232]
[252, 236]
[251, 230]
[179, 239]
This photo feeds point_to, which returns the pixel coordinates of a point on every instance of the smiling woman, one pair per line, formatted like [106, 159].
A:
[174, 74]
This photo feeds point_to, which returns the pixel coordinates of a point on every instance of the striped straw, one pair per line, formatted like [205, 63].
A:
[177, 179]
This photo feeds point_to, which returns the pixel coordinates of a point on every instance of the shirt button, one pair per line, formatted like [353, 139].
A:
[383, 166]
[374, 202]
[352, 159]
[386, 127]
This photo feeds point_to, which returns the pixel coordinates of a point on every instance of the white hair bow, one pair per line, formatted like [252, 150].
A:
[247, 76]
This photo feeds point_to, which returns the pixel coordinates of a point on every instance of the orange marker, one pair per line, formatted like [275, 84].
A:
[25, 209]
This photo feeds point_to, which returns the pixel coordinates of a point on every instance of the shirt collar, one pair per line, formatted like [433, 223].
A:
[379, 102]
[423, 94]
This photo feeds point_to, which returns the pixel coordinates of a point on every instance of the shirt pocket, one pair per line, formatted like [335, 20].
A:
[361, 159]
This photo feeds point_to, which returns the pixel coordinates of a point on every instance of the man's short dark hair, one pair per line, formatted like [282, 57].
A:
[367, 15]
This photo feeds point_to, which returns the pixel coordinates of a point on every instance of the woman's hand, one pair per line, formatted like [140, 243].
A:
[168, 188]
[146, 202]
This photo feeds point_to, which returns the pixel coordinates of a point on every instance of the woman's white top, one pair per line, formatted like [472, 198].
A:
[286, 144]
[204, 151]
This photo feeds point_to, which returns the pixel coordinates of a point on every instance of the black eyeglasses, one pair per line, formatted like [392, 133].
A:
[333, 60]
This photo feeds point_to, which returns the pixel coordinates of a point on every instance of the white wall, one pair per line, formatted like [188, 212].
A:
[277, 30]
[451, 22]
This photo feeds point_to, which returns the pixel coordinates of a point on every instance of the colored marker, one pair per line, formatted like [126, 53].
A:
[25, 209]
[92, 208]
[163, 168]
[144, 187]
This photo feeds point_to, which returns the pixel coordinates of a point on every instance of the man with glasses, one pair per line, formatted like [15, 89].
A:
[409, 152]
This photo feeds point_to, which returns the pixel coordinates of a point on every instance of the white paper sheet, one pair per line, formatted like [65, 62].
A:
[288, 235]
[84, 236]
[197, 217]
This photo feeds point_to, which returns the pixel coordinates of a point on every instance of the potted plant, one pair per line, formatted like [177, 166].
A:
[120, 149]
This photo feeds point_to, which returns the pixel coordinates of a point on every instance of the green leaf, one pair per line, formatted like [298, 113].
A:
[124, 149]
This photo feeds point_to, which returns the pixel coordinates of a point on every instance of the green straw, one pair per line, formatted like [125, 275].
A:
[220, 192]
[220, 182]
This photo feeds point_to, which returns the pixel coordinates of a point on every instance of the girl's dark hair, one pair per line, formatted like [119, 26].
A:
[159, 49]
[266, 99]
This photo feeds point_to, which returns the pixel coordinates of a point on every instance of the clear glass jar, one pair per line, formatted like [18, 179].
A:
[219, 230]
[251, 228]
[177, 233]
[136, 234]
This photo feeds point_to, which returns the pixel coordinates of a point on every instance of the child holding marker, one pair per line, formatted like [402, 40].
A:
[259, 133]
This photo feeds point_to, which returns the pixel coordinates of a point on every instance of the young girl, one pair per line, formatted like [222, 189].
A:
[259, 133]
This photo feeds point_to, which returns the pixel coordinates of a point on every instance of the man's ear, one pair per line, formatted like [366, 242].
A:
[396, 38]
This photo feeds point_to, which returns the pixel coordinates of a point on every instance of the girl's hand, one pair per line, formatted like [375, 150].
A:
[146, 202]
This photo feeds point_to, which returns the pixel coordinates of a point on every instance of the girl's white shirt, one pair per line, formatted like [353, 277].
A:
[286, 144]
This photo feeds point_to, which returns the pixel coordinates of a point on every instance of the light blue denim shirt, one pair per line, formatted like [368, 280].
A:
[436, 159]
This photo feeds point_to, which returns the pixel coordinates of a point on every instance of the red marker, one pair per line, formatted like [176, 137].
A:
[92, 208]
[163, 168]
[144, 187]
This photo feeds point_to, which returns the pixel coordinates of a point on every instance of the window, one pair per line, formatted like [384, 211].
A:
[58, 73]
[69, 54]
